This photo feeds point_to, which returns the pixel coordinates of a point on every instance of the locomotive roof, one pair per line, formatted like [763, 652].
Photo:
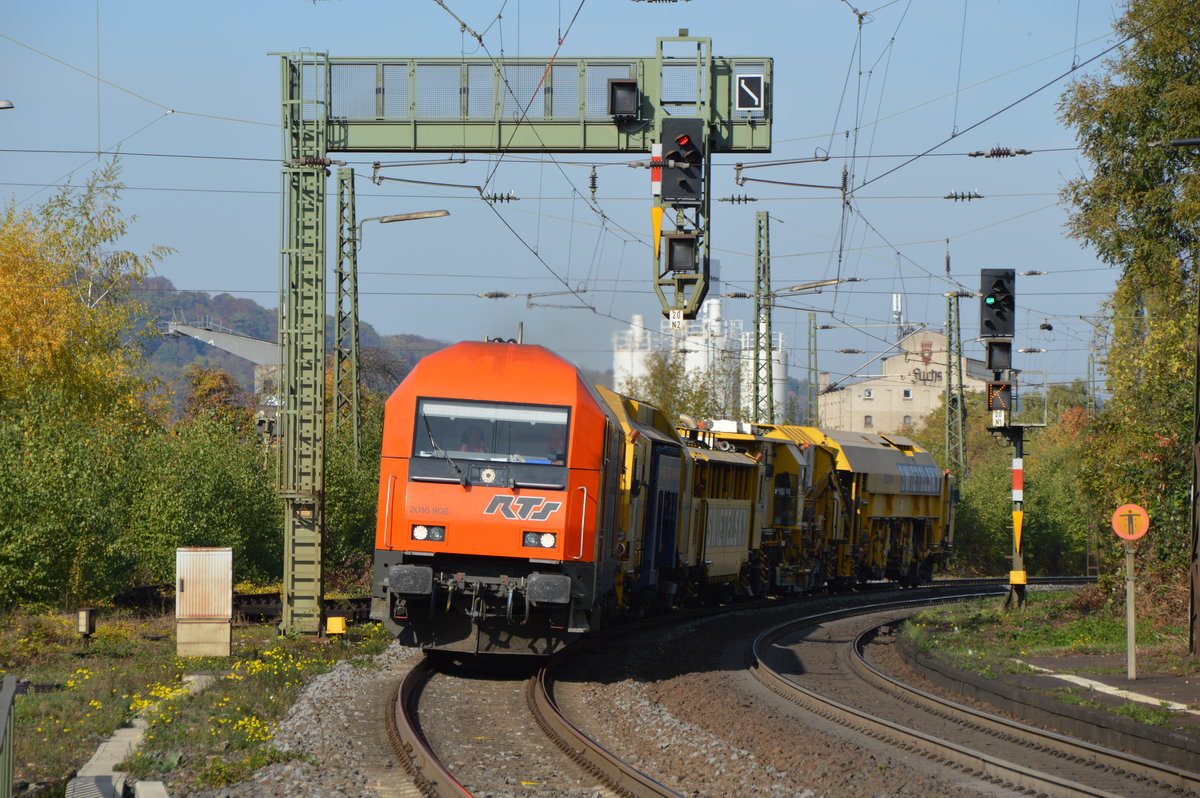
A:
[494, 372]
[503, 372]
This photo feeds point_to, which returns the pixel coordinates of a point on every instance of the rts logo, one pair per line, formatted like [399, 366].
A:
[524, 508]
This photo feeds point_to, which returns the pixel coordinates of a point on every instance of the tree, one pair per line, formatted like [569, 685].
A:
[64, 500]
[1139, 209]
[669, 386]
[1054, 532]
[202, 483]
[352, 488]
[72, 415]
[216, 394]
[67, 316]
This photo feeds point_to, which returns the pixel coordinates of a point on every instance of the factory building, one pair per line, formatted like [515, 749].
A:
[713, 348]
[911, 385]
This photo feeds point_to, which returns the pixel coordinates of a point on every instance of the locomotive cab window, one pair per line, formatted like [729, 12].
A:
[491, 431]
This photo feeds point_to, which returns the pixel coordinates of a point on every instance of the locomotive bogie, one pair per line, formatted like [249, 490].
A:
[486, 605]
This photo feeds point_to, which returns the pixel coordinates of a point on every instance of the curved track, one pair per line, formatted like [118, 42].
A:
[453, 746]
[464, 734]
[821, 663]
[489, 728]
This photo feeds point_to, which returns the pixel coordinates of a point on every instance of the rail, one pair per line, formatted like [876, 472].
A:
[428, 773]
[1179, 778]
[622, 778]
[987, 765]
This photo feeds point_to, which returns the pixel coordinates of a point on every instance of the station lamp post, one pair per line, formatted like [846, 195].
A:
[346, 366]
[303, 590]
[395, 217]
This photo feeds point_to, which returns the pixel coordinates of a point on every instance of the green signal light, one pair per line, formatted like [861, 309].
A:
[989, 300]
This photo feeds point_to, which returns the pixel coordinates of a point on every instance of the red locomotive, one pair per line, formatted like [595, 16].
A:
[498, 490]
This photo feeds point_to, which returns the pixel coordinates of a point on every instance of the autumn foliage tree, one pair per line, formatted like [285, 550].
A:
[1055, 532]
[216, 395]
[71, 413]
[1139, 210]
[67, 314]
[97, 486]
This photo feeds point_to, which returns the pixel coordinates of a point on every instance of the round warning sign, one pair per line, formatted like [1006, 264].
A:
[1130, 521]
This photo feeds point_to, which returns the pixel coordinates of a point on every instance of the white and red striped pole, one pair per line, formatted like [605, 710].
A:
[656, 170]
[1017, 578]
[656, 210]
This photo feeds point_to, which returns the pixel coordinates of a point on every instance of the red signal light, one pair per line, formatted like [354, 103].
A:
[683, 140]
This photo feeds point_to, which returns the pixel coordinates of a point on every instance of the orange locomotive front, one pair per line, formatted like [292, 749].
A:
[498, 489]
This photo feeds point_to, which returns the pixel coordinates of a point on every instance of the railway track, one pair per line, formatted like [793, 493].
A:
[810, 662]
[497, 731]
[509, 734]
[463, 733]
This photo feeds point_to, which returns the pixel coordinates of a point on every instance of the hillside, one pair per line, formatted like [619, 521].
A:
[386, 358]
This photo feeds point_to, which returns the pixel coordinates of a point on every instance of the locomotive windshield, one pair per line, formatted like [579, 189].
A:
[494, 431]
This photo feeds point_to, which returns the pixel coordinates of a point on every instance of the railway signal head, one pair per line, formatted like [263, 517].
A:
[683, 157]
[997, 308]
[999, 396]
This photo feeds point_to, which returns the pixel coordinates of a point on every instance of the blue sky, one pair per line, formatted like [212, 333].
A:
[190, 96]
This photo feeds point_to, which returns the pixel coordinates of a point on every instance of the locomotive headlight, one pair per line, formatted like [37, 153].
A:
[431, 533]
[539, 540]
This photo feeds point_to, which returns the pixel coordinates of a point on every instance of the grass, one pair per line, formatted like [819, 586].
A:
[1142, 713]
[983, 637]
[1050, 624]
[209, 738]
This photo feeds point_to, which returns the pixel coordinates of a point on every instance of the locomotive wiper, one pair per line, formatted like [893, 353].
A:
[462, 475]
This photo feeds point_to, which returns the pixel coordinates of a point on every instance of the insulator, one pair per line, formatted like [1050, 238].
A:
[738, 199]
[998, 152]
[509, 197]
[965, 196]
[310, 161]
[592, 183]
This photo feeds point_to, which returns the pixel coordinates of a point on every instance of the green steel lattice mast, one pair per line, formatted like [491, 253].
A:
[956, 409]
[764, 393]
